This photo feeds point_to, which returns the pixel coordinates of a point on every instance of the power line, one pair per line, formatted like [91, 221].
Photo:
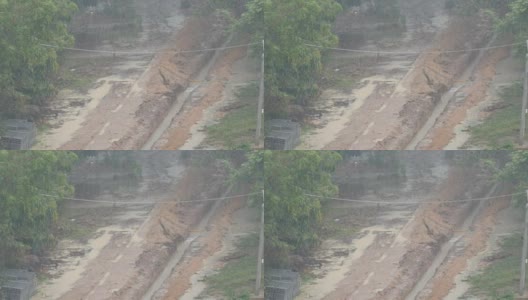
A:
[146, 202]
[223, 81]
[145, 52]
[412, 52]
[411, 202]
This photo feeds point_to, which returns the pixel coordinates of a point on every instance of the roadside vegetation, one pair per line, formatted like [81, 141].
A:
[501, 129]
[236, 279]
[31, 73]
[26, 67]
[511, 16]
[515, 172]
[294, 219]
[236, 129]
[33, 186]
[499, 279]
[294, 69]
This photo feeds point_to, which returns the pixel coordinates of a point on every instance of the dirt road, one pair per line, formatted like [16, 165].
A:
[200, 255]
[204, 242]
[469, 240]
[378, 228]
[206, 99]
[402, 240]
[406, 101]
[377, 96]
[132, 243]
[132, 95]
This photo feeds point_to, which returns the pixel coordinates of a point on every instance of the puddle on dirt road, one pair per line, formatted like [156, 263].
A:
[117, 224]
[159, 19]
[423, 20]
[337, 117]
[337, 267]
[73, 267]
[379, 228]
[74, 117]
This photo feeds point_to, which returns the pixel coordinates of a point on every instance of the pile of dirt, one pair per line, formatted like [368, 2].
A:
[212, 243]
[433, 224]
[475, 242]
[434, 73]
[180, 129]
[170, 73]
[168, 225]
[476, 92]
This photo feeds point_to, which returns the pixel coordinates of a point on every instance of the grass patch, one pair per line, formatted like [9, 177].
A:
[500, 279]
[501, 128]
[307, 278]
[237, 128]
[236, 279]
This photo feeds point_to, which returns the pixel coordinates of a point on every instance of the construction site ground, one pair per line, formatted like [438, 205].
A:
[146, 251]
[156, 99]
[416, 98]
[410, 251]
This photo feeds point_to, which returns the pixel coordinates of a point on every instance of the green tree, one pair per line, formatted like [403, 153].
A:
[293, 219]
[516, 173]
[292, 67]
[26, 67]
[511, 15]
[32, 184]
[516, 21]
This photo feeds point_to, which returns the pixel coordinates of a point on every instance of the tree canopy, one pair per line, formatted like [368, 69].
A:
[511, 15]
[292, 67]
[26, 67]
[292, 217]
[32, 185]
[516, 172]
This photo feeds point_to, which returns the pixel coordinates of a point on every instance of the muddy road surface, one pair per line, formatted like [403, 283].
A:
[416, 98]
[406, 251]
[128, 96]
[122, 246]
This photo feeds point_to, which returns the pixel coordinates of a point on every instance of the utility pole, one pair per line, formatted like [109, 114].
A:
[525, 248]
[260, 106]
[524, 101]
[260, 259]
